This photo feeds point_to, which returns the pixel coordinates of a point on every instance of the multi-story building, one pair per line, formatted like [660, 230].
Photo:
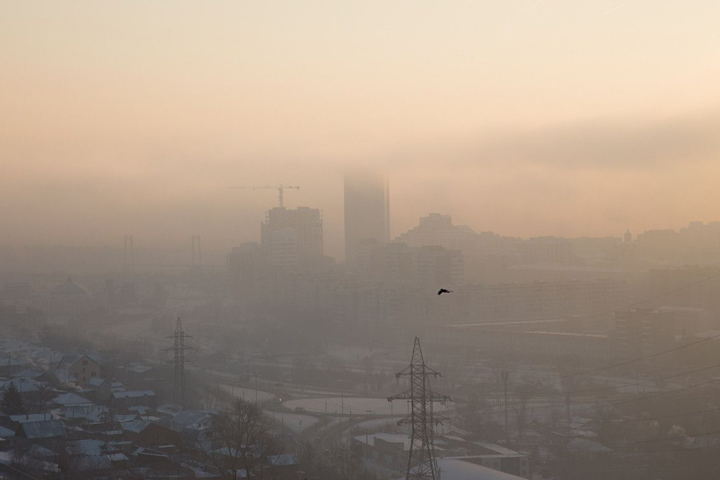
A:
[367, 212]
[398, 263]
[293, 238]
[437, 229]
[537, 300]
[437, 266]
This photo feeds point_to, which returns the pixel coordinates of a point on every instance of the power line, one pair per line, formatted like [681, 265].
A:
[653, 355]
[661, 394]
[680, 437]
[677, 415]
[627, 362]
[586, 409]
[648, 382]
[657, 354]
[640, 302]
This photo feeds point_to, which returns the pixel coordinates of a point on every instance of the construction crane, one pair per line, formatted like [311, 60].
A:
[279, 188]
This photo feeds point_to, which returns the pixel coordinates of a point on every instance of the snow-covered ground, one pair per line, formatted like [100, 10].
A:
[351, 353]
[379, 422]
[248, 394]
[353, 406]
[296, 423]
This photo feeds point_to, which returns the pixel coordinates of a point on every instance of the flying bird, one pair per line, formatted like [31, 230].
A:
[442, 290]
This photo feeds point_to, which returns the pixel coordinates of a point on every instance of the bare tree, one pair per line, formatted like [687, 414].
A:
[242, 440]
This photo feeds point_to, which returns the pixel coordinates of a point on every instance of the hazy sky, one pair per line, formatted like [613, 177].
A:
[535, 117]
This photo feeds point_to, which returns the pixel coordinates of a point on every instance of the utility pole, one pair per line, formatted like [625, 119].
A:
[505, 377]
[421, 460]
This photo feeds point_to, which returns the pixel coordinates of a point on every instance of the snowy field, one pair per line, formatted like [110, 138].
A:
[379, 422]
[296, 423]
[248, 394]
[353, 406]
[351, 353]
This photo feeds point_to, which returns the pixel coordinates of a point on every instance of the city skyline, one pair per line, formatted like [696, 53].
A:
[226, 226]
[556, 118]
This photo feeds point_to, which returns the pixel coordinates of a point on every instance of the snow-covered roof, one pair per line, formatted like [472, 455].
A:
[85, 447]
[588, 446]
[27, 373]
[69, 288]
[125, 418]
[141, 410]
[43, 429]
[498, 449]
[23, 384]
[95, 382]
[116, 457]
[136, 426]
[387, 437]
[282, 460]
[71, 399]
[457, 468]
[90, 411]
[31, 417]
[138, 368]
[38, 451]
[188, 417]
[70, 360]
[93, 462]
[63, 376]
[169, 409]
[134, 394]
[12, 362]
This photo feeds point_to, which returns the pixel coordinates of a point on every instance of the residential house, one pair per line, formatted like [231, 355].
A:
[134, 398]
[82, 367]
[148, 434]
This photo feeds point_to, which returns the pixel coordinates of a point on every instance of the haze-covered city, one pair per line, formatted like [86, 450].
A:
[359, 240]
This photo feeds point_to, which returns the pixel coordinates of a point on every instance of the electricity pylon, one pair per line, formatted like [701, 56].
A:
[179, 360]
[421, 461]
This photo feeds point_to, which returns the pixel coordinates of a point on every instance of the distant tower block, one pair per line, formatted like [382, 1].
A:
[196, 253]
[366, 211]
[129, 252]
[628, 236]
[179, 361]
[421, 460]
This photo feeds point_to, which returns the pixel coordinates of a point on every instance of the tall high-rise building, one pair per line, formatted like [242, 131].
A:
[367, 211]
[293, 238]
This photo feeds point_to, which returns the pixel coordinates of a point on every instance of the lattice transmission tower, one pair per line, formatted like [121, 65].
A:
[179, 361]
[421, 462]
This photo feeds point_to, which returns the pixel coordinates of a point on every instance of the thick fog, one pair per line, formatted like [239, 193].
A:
[521, 118]
[359, 240]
